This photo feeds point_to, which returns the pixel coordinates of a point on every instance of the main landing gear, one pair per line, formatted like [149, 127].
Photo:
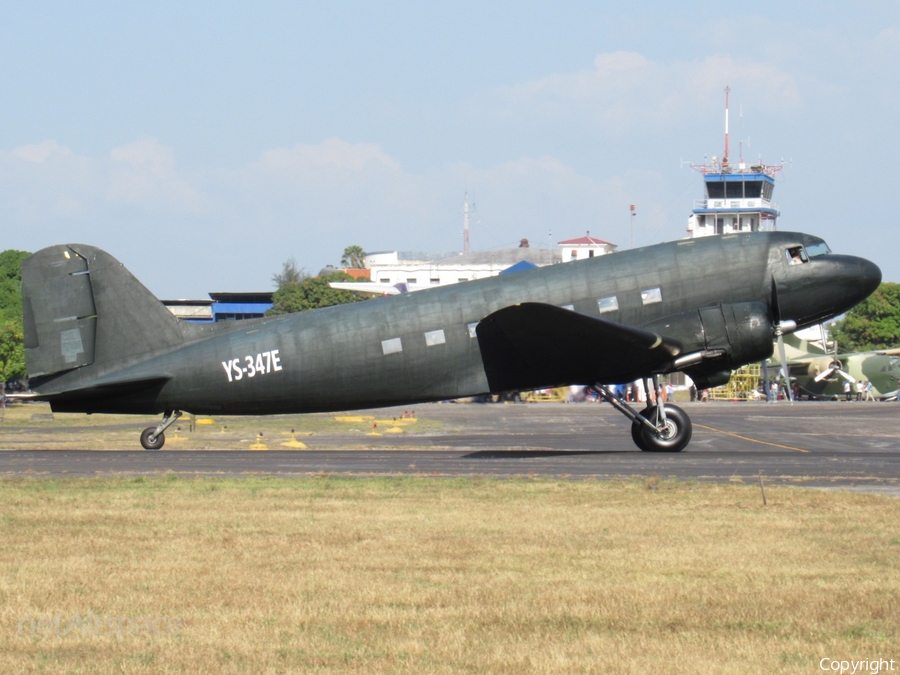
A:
[659, 427]
[153, 438]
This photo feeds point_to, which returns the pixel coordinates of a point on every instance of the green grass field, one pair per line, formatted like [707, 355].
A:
[426, 575]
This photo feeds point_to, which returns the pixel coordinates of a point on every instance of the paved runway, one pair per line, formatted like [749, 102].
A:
[825, 444]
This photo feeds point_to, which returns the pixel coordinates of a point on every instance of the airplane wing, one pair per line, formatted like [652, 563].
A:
[374, 288]
[533, 345]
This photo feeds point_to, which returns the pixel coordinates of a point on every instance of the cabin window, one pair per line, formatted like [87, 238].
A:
[435, 282]
[796, 255]
[610, 304]
[820, 248]
[434, 337]
[472, 326]
[384, 281]
[651, 295]
[392, 346]
[411, 281]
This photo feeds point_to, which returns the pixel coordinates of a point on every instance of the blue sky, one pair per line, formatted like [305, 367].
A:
[204, 143]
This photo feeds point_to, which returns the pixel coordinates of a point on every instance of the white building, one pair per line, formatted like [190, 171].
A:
[389, 268]
[585, 247]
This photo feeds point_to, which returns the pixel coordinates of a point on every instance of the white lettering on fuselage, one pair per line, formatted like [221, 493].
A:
[262, 363]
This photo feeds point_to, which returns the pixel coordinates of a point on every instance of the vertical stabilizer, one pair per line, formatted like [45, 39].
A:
[81, 307]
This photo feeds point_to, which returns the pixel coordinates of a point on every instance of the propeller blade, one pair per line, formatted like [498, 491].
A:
[776, 311]
[781, 329]
[784, 368]
[847, 376]
[825, 374]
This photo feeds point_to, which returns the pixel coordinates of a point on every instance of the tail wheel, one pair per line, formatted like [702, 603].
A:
[151, 443]
[672, 437]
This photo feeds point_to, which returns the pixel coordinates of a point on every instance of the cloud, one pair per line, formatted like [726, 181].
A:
[143, 173]
[545, 200]
[332, 154]
[41, 152]
[309, 201]
[626, 90]
[44, 181]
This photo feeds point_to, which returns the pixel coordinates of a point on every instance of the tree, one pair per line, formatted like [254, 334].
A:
[311, 293]
[12, 352]
[290, 274]
[11, 285]
[12, 341]
[354, 257]
[872, 324]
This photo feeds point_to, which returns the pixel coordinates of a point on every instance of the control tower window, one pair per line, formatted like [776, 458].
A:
[753, 189]
[734, 190]
[715, 190]
[767, 191]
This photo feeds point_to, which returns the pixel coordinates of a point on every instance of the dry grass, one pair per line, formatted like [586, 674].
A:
[444, 576]
[24, 427]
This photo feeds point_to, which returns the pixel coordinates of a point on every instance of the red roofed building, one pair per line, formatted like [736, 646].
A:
[585, 247]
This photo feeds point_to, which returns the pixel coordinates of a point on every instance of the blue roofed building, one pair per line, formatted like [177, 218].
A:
[222, 307]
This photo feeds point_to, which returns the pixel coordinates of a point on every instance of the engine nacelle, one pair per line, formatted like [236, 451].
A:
[825, 364]
[733, 335]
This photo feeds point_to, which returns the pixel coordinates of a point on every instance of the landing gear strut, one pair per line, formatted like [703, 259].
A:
[659, 427]
[153, 438]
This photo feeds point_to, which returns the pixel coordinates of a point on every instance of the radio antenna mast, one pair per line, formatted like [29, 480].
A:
[725, 156]
[466, 225]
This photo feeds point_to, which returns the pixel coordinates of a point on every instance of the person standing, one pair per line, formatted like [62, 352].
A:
[848, 390]
[869, 396]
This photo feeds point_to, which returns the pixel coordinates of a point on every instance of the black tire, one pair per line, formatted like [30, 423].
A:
[636, 435]
[675, 437]
[154, 444]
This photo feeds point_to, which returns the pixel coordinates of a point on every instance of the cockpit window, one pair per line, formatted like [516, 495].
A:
[819, 248]
[796, 255]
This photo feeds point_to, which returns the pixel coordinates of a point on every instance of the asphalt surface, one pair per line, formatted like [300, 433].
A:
[822, 444]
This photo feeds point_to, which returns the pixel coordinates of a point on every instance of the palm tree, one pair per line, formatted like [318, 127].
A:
[354, 257]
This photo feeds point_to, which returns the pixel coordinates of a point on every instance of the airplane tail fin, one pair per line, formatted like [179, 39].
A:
[83, 309]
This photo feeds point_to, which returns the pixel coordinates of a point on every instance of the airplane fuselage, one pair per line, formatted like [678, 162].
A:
[424, 346]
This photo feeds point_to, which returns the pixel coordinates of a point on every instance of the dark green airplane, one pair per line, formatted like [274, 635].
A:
[98, 341]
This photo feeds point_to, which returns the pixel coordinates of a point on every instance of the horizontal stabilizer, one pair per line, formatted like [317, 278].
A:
[533, 345]
[120, 389]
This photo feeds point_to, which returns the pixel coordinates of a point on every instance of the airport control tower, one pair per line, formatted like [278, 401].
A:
[737, 198]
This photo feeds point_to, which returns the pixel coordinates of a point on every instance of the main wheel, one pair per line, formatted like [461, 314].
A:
[672, 438]
[636, 428]
[149, 444]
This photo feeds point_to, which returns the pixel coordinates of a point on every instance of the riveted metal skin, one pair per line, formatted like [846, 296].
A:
[98, 341]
